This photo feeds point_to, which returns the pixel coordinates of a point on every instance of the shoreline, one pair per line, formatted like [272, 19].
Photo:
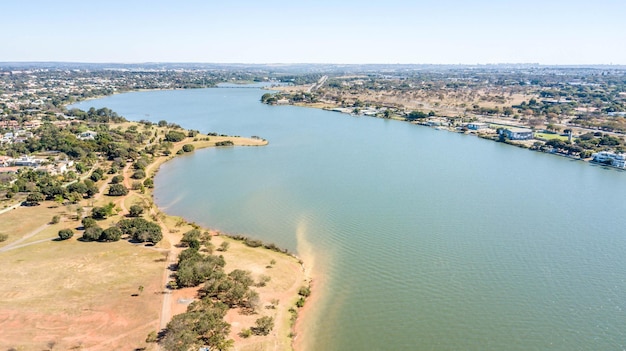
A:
[333, 107]
[295, 326]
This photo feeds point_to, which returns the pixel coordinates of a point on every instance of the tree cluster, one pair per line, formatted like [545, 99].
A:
[141, 230]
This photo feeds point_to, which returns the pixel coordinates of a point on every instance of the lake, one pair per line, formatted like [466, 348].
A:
[419, 239]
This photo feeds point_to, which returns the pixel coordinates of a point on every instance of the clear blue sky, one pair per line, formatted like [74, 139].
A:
[322, 31]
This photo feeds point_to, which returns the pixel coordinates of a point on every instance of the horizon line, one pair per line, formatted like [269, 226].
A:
[314, 63]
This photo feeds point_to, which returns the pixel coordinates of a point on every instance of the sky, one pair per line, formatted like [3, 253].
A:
[321, 31]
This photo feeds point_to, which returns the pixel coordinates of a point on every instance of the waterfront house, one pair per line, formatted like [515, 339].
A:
[477, 126]
[517, 133]
[610, 158]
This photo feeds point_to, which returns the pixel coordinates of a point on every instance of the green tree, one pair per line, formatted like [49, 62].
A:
[65, 234]
[416, 115]
[88, 222]
[148, 183]
[92, 234]
[139, 174]
[33, 199]
[98, 213]
[135, 211]
[188, 148]
[117, 190]
[175, 136]
[117, 179]
[111, 234]
[202, 325]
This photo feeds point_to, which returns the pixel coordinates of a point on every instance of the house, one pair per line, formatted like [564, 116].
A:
[610, 158]
[27, 161]
[88, 135]
[477, 126]
[517, 133]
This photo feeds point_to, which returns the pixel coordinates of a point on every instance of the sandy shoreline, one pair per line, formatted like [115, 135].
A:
[302, 277]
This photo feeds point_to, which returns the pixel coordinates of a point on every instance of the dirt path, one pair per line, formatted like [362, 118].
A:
[10, 208]
[15, 244]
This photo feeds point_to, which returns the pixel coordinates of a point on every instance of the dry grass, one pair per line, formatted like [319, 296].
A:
[287, 276]
[74, 293]
[23, 220]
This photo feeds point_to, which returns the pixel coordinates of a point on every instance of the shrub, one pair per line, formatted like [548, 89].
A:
[88, 222]
[245, 333]
[189, 237]
[300, 302]
[55, 219]
[304, 291]
[33, 199]
[224, 143]
[152, 337]
[65, 234]
[224, 246]
[3, 237]
[99, 213]
[140, 164]
[139, 174]
[175, 136]
[117, 190]
[111, 234]
[135, 211]
[117, 179]
[188, 148]
[263, 280]
[264, 326]
[92, 234]
[253, 242]
[95, 176]
[148, 183]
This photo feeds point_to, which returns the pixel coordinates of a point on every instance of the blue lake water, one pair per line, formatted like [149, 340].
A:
[419, 239]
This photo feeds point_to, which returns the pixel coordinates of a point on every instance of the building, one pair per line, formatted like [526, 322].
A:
[517, 133]
[610, 158]
[477, 126]
[27, 161]
[88, 135]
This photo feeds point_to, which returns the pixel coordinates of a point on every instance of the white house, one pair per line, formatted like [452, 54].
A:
[27, 161]
[610, 158]
[88, 135]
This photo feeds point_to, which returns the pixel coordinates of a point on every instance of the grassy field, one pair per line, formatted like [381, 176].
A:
[77, 294]
[23, 220]
[547, 136]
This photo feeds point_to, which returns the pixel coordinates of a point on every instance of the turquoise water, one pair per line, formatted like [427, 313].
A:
[419, 239]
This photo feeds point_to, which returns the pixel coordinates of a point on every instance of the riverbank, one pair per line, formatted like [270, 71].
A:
[576, 141]
[285, 272]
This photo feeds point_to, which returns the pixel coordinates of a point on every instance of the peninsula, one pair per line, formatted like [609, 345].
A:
[98, 266]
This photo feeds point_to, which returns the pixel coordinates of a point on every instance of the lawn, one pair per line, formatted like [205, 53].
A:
[548, 136]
